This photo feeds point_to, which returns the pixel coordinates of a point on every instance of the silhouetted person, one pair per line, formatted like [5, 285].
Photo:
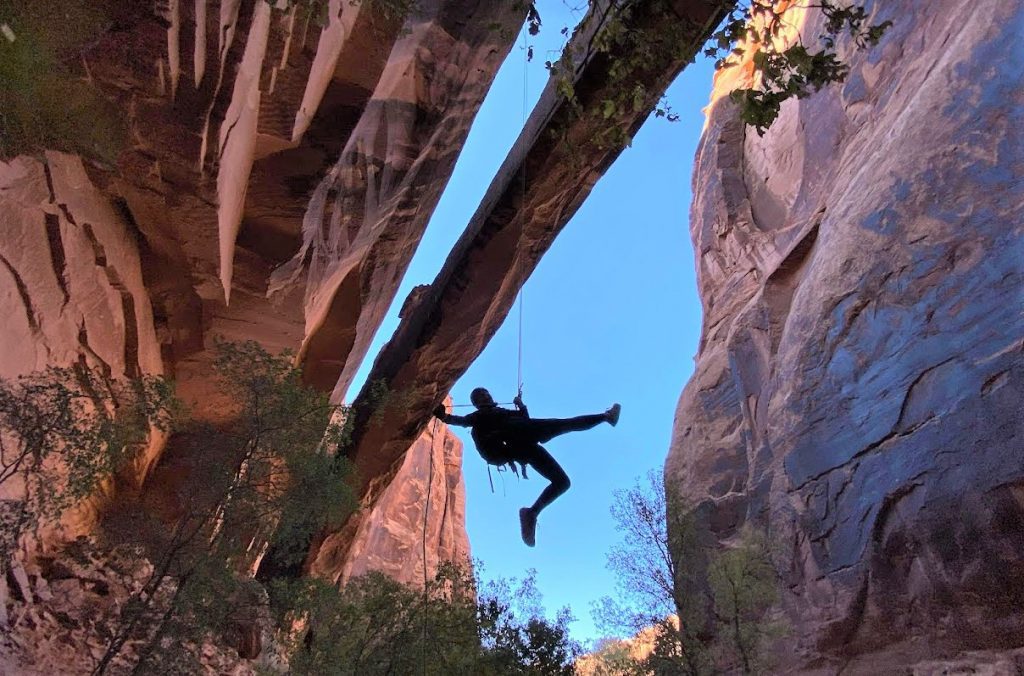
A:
[504, 436]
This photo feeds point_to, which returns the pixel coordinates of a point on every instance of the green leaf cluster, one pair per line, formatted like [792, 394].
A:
[785, 72]
[795, 71]
[455, 625]
[66, 431]
[707, 608]
[268, 474]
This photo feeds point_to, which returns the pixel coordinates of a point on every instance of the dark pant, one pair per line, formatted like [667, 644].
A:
[541, 430]
[524, 441]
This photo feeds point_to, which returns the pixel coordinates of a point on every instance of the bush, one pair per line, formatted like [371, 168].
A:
[63, 433]
[268, 475]
[701, 609]
[457, 625]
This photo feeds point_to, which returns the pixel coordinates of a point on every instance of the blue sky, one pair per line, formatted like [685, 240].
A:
[610, 315]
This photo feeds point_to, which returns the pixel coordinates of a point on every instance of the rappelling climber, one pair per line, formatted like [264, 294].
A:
[505, 436]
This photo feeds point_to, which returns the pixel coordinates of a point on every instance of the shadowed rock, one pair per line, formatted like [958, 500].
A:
[858, 383]
[279, 172]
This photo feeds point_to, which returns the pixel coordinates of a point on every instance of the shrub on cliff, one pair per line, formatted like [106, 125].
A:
[63, 433]
[698, 608]
[267, 473]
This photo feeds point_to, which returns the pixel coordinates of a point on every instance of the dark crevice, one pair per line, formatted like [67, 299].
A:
[782, 283]
[30, 310]
[909, 395]
[995, 382]
[131, 325]
[57, 255]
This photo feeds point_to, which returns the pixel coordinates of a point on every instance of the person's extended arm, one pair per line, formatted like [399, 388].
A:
[460, 420]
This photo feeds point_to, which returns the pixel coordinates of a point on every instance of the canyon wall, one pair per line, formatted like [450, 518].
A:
[419, 519]
[71, 292]
[859, 378]
[279, 170]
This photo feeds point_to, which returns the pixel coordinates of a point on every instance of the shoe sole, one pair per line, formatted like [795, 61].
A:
[613, 415]
[524, 532]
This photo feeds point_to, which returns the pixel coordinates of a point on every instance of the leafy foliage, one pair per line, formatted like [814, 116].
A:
[283, 444]
[65, 431]
[645, 572]
[793, 71]
[786, 71]
[382, 399]
[704, 609]
[374, 625]
[635, 48]
[742, 583]
[269, 474]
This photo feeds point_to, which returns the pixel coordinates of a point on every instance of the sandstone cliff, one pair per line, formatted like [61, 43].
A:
[858, 382]
[422, 512]
[261, 137]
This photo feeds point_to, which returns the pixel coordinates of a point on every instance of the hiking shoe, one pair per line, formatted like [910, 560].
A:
[612, 414]
[528, 526]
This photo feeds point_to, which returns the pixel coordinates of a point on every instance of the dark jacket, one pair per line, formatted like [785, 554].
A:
[490, 428]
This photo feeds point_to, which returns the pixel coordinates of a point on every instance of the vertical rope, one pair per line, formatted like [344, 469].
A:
[520, 371]
[522, 205]
[423, 540]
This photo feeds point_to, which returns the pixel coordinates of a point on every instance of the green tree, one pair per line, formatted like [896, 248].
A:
[704, 605]
[743, 587]
[456, 625]
[653, 592]
[270, 473]
[66, 431]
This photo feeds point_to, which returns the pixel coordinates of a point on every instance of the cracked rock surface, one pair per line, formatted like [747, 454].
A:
[861, 365]
[279, 172]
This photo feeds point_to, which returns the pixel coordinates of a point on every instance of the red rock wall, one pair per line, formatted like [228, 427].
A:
[861, 366]
[71, 285]
[422, 509]
[257, 136]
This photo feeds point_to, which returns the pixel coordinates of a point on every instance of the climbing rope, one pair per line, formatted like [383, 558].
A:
[423, 540]
[522, 204]
[520, 298]
[497, 403]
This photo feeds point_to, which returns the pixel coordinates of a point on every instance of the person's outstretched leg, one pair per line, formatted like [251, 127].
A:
[548, 468]
[541, 430]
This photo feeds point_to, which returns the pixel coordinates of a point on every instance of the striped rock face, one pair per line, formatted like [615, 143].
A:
[286, 164]
[418, 521]
[861, 366]
[72, 292]
[281, 169]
